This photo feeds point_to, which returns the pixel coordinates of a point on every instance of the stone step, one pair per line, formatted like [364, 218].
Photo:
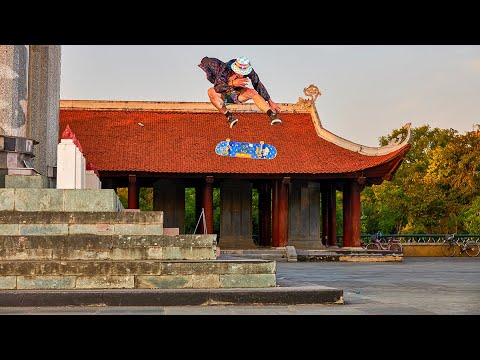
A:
[81, 217]
[278, 254]
[18, 199]
[137, 274]
[69, 223]
[108, 247]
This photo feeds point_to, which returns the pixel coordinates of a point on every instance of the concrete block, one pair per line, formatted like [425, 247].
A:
[291, 254]
[90, 200]
[164, 282]
[127, 254]
[43, 229]
[38, 200]
[8, 282]
[211, 281]
[172, 253]
[171, 231]
[75, 254]
[100, 229]
[248, 281]
[176, 268]
[154, 253]
[206, 268]
[138, 229]
[254, 267]
[26, 181]
[105, 282]
[45, 282]
[26, 268]
[7, 202]
[192, 253]
[9, 229]
[26, 254]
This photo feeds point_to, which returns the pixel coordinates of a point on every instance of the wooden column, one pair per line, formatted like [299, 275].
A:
[208, 203]
[332, 215]
[283, 212]
[264, 214]
[324, 191]
[275, 213]
[132, 192]
[198, 207]
[351, 214]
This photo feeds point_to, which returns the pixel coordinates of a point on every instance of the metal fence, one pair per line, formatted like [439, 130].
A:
[417, 238]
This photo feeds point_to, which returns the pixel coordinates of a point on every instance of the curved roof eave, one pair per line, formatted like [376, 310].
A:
[309, 104]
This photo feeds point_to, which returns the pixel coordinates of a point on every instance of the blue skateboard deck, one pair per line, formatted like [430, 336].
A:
[248, 150]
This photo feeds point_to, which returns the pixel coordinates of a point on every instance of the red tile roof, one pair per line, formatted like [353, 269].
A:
[184, 142]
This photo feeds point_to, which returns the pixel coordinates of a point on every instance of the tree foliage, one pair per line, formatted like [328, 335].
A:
[434, 189]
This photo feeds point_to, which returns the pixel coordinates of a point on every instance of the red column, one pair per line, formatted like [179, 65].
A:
[324, 191]
[283, 212]
[208, 203]
[275, 213]
[332, 215]
[351, 214]
[132, 192]
[265, 213]
[347, 215]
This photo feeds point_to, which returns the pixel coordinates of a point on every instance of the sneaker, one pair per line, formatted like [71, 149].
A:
[274, 120]
[231, 121]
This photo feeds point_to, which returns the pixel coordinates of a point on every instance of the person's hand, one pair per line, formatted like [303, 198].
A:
[275, 107]
[239, 82]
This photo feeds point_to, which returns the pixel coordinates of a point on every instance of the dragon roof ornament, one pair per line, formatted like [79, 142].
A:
[308, 104]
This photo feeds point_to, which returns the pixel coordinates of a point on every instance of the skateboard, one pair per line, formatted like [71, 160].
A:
[249, 150]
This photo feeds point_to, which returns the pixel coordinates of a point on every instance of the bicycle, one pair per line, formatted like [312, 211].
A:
[391, 244]
[450, 244]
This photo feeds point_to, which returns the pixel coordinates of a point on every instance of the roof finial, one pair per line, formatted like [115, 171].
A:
[312, 91]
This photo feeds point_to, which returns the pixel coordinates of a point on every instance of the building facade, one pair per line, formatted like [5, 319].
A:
[171, 146]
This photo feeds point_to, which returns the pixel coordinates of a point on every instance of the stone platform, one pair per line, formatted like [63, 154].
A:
[280, 295]
[290, 253]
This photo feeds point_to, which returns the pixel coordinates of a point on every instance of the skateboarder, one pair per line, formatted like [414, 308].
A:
[230, 82]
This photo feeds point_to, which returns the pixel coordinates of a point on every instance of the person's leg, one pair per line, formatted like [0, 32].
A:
[219, 102]
[248, 94]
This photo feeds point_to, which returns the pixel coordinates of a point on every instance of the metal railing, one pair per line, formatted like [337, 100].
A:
[418, 238]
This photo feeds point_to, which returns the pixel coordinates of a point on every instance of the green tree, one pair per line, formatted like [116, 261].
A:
[471, 217]
[419, 199]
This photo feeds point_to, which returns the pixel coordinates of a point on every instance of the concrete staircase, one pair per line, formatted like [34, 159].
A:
[83, 239]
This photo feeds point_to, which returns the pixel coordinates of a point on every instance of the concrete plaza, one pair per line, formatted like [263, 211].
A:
[416, 286]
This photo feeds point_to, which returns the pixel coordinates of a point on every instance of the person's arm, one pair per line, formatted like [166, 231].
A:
[221, 84]
[213, 68]
[258, 85]
[274, 106]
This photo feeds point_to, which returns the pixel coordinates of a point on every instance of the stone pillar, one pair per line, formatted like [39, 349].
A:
[43, 106]
[71, 166]
[16, 149]
[324, 192]
[265, 214]
[133, 193]
[351, 214]
[92, 181]
[332, 215]
[283, 212]
[275, 213]
[13, 90]
[208, 203]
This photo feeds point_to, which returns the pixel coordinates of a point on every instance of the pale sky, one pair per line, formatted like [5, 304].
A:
[367, 90]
